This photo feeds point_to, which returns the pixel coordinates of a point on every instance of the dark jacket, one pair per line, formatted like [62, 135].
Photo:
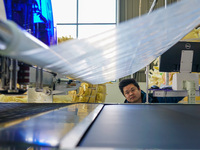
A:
[158, 99]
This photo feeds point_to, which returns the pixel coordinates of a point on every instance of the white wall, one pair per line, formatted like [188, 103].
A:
[114, 95]
[2, 10]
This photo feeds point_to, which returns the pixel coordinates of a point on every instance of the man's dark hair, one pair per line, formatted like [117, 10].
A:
[126, 82]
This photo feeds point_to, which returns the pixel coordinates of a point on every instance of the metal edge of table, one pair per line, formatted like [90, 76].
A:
[71, 139]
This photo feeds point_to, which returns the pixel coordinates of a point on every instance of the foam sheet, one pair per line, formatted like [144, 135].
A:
[129, 47]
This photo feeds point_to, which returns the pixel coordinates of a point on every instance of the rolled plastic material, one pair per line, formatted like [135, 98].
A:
[113, 54]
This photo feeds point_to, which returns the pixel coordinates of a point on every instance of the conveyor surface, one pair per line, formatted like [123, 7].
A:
[160, 126]
[42, 130]
[13, 111]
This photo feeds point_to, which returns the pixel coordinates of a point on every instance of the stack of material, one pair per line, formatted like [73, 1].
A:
[89, 93]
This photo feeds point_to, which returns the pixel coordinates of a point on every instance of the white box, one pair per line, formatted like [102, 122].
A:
[178, 78]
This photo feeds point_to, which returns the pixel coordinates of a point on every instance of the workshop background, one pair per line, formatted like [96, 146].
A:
[42, 109]
[101, 16]
[81, 19]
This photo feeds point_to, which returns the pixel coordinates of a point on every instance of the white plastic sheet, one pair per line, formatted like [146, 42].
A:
[111, 55]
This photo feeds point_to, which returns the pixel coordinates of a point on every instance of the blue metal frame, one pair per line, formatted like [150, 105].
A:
[35, 16]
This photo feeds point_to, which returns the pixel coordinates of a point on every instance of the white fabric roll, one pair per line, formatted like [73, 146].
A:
[113, 54]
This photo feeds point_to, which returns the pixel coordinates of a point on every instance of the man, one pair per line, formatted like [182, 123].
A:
[133, 94]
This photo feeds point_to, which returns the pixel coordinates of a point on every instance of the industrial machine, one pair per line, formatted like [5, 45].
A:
[62, 126]
[17, 77]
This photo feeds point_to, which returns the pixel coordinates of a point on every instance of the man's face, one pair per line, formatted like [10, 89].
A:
[132, 93]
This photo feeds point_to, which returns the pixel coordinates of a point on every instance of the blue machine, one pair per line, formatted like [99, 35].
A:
[35, 16]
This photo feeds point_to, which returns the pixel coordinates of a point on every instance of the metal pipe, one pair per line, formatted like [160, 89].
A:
[11, 74]
[140, 7]
[166, 74]
[13, 68]
[147, 67]
[152, 6]
[147, 84]
[41, 78]
[3, 72]
[16, 69]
